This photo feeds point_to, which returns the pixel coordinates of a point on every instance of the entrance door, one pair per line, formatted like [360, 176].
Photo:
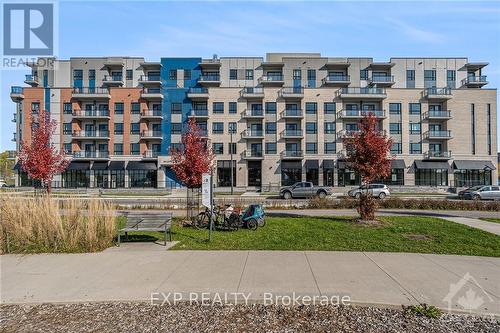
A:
[254, 173]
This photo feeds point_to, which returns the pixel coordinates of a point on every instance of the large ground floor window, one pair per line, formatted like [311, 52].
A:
[348, 177]
[431, 177]
[328, 177]
[396, 178]
[75, 178]
[224, 173]
[143, 178]
[291, 173]
[117, 178]
[468, 178]
[312, 175]
[254, 173]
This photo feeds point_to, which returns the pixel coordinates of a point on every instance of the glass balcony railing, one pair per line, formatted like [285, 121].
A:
[151, 134]
[253, 153]
[438, 114]
[199, 113]
[292, 113]
[438, 154]
[382, 79]
[91, 113]
[151, 154]
[210, 77]
[31, 78]
[198, 90]
[253, 113]
[437, 91]
[90, 154]
[362, 113]
[91, 134]
[271, 78]
[90, 91]
[249, 133]
[337, 78]
[292, 133]
[146, 78]
[151, 113]
[151, 90]
[113, 78]
[362, 91]
[292, 91]
[292, 153]
[475, 79]
[16, 90]
[252, 91]
[438, 134]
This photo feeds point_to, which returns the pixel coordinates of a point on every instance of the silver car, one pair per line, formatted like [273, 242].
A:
[377, 190]
[486, 193]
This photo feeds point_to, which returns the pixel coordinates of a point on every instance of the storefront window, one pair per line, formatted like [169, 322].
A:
[348, 177]
[224, 173]
[468, 178]
[431, 177]
[291, 173]
[142, 178]
[76, 178]
[254, 173]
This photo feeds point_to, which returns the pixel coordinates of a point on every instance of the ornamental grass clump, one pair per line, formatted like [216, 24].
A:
[44, 225]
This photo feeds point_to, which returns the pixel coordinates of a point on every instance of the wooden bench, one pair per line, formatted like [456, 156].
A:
[142, 221]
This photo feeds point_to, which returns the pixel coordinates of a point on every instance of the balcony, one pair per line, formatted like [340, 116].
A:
[152, 135]
[292, 154]
[437, 93]
[151, 154]
[209, 79]
[438, 155]
[14, 139]
[292, 113]
[357, 93]
[355, 114]
[112, 80]
[16, 94]
[151, 114]
[150, 80]
[437, 115]
[348, 133]
[292, 134]
[151, 94]
[253, 154]
[14, 118]
[210, 63]
[32, 80]
[197, 93]
[337, 80]
[252, 92]
[382, 81]
[253, 114]
[291, 92]
[91, 114]
[252, 134]
[475, 81]
[200, 113]
[90, 154]
[90, 93]
[271, 80]
[438, 135]
[79, 135]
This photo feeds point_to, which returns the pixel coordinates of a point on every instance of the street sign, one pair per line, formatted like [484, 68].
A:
[205, 190]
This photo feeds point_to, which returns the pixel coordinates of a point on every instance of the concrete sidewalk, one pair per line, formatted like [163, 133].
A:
[132, 272]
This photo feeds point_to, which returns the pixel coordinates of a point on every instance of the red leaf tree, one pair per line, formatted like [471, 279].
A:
[368, 154]
[39, 158]
[193, 159]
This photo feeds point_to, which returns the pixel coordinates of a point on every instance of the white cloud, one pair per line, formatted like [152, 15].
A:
[416, 33]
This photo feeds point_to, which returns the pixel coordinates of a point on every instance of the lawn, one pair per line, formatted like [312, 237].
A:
[491, 219]
[397, 234]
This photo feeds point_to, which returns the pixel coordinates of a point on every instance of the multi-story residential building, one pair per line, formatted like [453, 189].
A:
[273, 121]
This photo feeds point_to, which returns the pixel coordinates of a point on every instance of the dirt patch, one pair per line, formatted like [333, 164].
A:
[418, 237]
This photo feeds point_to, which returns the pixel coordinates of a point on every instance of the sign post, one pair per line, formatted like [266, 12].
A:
[207, 199]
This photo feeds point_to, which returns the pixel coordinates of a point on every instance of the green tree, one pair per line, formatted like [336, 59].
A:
[6, 165]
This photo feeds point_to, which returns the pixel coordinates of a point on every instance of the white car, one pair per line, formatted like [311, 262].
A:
[377, 190]
[3, 184]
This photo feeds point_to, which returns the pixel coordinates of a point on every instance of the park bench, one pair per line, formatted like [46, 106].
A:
[143, 221]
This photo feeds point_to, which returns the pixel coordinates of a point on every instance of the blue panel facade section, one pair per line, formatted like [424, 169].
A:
[173, 94]
[47, 99]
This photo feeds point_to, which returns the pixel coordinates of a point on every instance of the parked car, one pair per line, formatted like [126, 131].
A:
[482, 193]
[377, 190]
[3, 184]
[467, 193]
[304, 190]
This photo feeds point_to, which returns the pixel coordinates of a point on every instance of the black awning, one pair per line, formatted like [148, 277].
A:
[432, 165]
[312, 164]
[17, 166]
[398, 164]
[100, 166]
[138, 165]
[79, 166]
[291, 164]
[473, 165]
[116, 165]
[328, 164]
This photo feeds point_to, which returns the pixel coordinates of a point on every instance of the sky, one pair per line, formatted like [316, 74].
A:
[236, 28]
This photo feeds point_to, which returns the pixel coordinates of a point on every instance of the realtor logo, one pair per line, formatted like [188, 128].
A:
[28, 29]
[468, 294]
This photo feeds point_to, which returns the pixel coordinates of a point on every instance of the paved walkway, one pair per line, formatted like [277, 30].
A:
[133, 272]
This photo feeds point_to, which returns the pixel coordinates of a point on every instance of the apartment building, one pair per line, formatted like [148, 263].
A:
[274, 121]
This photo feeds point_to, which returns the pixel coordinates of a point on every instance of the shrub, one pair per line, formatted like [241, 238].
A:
[36, 225]
[429, 311]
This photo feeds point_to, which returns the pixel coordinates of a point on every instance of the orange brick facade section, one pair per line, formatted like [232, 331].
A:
[31, 95]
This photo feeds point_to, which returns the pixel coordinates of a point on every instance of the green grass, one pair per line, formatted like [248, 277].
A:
[491, 219]
[397, 234]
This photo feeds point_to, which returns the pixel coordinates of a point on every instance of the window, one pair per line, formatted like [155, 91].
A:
[396, 148]
[176, 108]
[118, 128]
[410, 78]
[450, 79]
[311, 108]
[488, 124]
[395, 108]
[297, 74]
[218, 107]
[118, 108]
[67, 129]
[363, 74]
[311, 74]
[224, 171]
[330, 148]
[329, 108]
[233, 107]
[232, 127]
[218, 148]
[271, 148]
[311, 128]
[35, 107]
[249, 74]
[232, 148]
[129, 74]
[395, 128]
[135, 108]
[415, 108]
[311, 148]
[429, 78]
[118, 148]
[473, 127]
[135, 149]
[415, 128]
[67, 108]
[431, 177]
[176, 128]
[187, 74]
[91, 74]
[329, 127]
[270, 128]
[233, 74]
[172, 74]
[67, 148]
[135, 128]
[415, 148]
[77, 74]
[270, 107]
[217, 128]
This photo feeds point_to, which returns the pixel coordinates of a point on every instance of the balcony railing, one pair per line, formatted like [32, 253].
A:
[198, 90]
[91, 134]
[151, 154]
[437, 91]
[292, 154]
[199, 113]
[90, 91]
[253, 153]
[438, 134]
[291, 91]
[348, 133]
[16, 90]
[113, 78]
[90, 154]
[337, 78]
[147, 78]
[151, 90]
[475, 80]
[31, 78]
[361, 113]
[151, 113]
[252, 92]
[151, 134]
[271, 78]
[292, 133]
[294, 113]
[253, 133]
[361, 91]
[437, 114]
[210, 77]
[382, 79]
[91, 113]
[438, 155]
[14, 118]
[257, 113]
